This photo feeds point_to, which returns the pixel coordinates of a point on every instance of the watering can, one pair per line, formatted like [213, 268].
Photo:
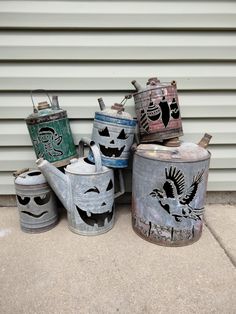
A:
[158, 113]
[86, 190]
[113, 132]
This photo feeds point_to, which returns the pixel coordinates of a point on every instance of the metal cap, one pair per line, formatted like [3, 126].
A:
[43, 105]
[32, 177]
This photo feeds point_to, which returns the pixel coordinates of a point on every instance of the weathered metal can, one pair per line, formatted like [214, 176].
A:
[86, 190]
[50, 132]
[36, 202]
[113, 132]
[168, 196]
[157, 110]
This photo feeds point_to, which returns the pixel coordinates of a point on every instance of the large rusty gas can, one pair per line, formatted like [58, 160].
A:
[50, 132]
[36, 201]
[113, 132]
[169, 188]
[157, 110]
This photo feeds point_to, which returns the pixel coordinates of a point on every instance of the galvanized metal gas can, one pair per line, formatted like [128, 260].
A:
[36, 202]
[168, 196]
[86, 190]
[113, 132]
[158, 112]
[50, 132]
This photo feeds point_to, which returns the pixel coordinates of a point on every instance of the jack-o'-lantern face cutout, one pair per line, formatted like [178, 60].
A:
[110, 144]
[97, 205]
[33, 206]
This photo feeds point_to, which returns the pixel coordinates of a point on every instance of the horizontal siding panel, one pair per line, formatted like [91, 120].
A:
[116, 76]
[24, 157]
[15, 133]
[214, 181]
[117, 14]
[83, 105]
[117, 46]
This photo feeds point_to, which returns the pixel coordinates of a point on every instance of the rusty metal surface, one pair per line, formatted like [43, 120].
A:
[157, 110]
[168, 196]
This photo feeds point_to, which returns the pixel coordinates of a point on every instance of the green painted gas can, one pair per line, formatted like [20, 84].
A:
[50, 131]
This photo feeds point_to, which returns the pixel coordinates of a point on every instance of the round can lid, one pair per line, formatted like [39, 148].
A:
[31, 177]
[184, 152]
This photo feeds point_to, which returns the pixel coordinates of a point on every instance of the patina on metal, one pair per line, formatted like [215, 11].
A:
[50, 132]
[36, 201]
[113, 132]
[168, 195]
[86, 190]
[158, 113]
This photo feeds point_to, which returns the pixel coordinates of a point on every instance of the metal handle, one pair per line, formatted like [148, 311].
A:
[122, 184]
[95, 151]
[38, 91]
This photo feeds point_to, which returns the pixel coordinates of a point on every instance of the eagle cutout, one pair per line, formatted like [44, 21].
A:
[175, 199]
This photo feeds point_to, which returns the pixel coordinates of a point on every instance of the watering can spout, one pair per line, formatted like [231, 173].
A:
[204, 142]
[57, 180]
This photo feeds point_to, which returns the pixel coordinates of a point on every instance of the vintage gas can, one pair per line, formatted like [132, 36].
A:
[113, 132]
[169, 187]
[50, 132]
[36, 202]
[86, 190]
[158, 113]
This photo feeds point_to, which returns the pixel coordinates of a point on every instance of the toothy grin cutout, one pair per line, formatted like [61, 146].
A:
[110, 151]
[93, 219]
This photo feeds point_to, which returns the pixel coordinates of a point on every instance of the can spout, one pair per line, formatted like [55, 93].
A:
[137, 85]
[55, 103]
[101, 104]
[204, 142]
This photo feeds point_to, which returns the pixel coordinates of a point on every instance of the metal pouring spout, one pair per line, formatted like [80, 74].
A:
[58, 181]
[204, 142]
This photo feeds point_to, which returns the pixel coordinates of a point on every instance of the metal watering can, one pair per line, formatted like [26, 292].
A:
[86, 190]
[50, 131]
[158, 113]
[36, 201]
[113, 132]
[169, 188]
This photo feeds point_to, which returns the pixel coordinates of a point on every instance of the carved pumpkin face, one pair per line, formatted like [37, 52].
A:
[94, 204]
[34, 206]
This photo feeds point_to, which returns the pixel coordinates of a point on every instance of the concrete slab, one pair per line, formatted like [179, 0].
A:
[221, 220]
[118, 272]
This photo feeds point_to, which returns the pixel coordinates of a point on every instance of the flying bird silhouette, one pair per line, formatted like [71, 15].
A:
[173, 198]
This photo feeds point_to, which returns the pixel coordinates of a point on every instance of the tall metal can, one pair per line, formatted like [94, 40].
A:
[36, 201]
[113, 132]
[158, 113]
[169, 188]
[50, 132]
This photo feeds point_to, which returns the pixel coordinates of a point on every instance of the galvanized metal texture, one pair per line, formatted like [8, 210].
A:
[36, 202]
[86, 190]
[157, 110]
[168, 193]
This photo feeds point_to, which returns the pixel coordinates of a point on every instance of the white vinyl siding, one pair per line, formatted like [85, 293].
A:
[83, 50]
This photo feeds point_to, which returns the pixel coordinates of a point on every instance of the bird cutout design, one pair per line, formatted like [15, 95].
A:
[175, 199]
[144, 121]
[174, 109]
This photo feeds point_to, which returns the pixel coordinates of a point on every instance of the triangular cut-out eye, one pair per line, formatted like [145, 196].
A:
[110, 185]
[122, 135]
[104, 132]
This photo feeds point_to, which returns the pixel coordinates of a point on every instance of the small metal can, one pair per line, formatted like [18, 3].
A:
[36, 202]
[50, 132]
[157, 110]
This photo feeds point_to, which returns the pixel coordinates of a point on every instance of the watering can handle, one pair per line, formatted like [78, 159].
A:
[39, 91]
[94, 149]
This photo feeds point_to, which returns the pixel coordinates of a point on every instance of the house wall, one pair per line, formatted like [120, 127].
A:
[83, 50]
